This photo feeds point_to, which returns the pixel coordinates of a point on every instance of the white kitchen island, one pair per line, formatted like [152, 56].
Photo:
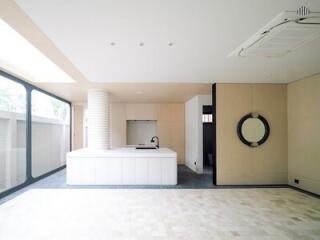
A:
[122, 166]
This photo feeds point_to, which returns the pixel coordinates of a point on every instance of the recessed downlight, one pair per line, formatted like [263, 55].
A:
[112, 44]
[170, 44]
[141, 44]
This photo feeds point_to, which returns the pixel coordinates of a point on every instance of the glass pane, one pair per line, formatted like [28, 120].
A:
[12, 134]
[50, 133]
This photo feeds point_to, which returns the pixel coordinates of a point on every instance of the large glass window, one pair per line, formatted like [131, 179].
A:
[13, 108]
[49, 137]
[50, 132]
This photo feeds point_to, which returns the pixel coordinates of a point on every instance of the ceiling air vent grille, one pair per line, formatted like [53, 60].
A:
[282, 35]
[303, 11]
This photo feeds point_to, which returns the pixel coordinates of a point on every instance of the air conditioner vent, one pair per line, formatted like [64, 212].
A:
[282, 35]
[303, 11]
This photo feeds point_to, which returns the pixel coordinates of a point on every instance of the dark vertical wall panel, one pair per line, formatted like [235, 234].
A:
[214, 137]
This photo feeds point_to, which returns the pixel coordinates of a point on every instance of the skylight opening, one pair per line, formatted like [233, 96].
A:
[20, 56]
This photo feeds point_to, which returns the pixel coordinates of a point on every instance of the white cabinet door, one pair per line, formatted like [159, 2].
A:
[141, 170]
[80, 171]
[155, 171]
[169, 171]
[128, 171]
[108, 171]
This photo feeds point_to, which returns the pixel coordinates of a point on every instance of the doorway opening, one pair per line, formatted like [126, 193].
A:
[207, 139]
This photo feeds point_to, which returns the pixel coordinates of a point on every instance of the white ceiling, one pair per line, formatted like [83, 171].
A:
[203, 33]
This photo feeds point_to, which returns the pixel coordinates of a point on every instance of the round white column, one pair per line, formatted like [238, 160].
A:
[98, 120]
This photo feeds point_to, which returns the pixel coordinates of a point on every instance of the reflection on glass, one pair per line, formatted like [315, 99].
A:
[253, 129]
[50, 133]
[12, 134]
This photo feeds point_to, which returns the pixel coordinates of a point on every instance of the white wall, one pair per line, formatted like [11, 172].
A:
[304, 134]
[50, 143]
[12, 150]
[49, 153]
[193, 131]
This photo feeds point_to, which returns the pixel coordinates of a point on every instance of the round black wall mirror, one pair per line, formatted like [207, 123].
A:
[253, 129]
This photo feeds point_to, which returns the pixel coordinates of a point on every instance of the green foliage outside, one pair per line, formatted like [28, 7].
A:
[13, 99]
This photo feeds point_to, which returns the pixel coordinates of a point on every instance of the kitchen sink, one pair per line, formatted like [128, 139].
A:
[145, 147]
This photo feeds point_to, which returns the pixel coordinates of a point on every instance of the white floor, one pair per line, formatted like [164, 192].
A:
[95, 214]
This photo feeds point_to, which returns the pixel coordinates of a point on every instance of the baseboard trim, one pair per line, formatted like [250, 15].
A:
[267, 186]
[243, 186]
[304, 191]
[253, 186]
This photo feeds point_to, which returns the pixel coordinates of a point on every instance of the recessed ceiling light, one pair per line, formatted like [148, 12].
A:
[141, 44]
[170, 44]
[112, 43]
[16, 54]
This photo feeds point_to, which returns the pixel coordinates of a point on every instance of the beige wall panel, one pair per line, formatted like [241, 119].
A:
[304, 133]
[164, 112]
[140, 111]
[170, 123]
[236, 162]
[77, 135]
[118, 125]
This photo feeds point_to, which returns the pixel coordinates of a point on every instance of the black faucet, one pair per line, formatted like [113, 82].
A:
[153, 140]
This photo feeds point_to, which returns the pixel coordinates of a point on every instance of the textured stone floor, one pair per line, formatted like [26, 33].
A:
[186, 179]
[50, 209]
[278, 214]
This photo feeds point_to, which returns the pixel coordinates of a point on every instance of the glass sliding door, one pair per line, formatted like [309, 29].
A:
[50, 132]
[13, 109]
[34, 133]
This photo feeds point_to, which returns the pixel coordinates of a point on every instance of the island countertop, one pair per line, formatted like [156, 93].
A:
[122, 152]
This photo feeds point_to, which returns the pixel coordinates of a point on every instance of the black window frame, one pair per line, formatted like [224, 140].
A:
[29, 88]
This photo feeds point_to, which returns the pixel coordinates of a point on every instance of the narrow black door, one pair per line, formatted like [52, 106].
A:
[214, 137]
[207, 138]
